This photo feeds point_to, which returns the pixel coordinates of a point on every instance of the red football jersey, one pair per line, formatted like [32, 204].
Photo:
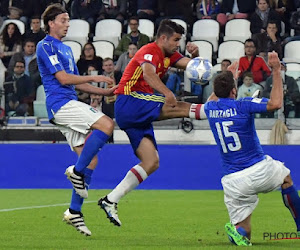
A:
[133, 80]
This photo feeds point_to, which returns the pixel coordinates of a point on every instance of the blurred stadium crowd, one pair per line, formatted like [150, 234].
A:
[105, 34]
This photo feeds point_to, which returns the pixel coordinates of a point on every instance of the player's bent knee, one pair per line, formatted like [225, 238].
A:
[105, 124]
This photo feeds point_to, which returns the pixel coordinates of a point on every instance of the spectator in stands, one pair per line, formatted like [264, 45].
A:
[83, 96]
[231, 9]
[178, 9]
[253, 63]
[207, 9]
[35, 32]
[147, 9]
[87, 10]
[88, 57]
[114, 9]
[125, 58]
[208, 89]
[263, 13]
[10, 42]
[15, 9]
[29, 57]
[19, 91]
[295, 24]
[135, 36]
[108, 103]
[290, 91]
[248, 87]
[268, 41]
[284, 8]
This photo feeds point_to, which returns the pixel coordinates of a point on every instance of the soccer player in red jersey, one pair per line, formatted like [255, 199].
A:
[137, 106]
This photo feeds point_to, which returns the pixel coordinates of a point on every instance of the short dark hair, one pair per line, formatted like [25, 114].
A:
[29, 40]
[134, 18]
[249, 40]
[223, 84]
[131, 43]
[50, 14]
[226, 60]
[19, 60]
[247, 74]
[168, 28]
[272, 22]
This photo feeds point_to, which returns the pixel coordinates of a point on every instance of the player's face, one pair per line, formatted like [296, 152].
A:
[59, 26]
[171, 44]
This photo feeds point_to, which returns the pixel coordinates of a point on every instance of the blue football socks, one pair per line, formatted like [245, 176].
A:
[292, 202]
[93, 143]
[77, 201]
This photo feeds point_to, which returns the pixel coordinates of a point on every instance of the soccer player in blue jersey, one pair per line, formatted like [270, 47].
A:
[247, 170]
[75, 119]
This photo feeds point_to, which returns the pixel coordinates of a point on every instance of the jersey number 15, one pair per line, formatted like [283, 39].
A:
[223, 131]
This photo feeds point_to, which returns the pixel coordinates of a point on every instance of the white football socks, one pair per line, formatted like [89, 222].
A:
[133, 178]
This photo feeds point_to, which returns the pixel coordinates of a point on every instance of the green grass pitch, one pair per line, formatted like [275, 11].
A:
[155, 219]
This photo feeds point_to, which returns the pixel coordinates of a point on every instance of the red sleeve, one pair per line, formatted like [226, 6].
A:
[147, 55]
[175, 58]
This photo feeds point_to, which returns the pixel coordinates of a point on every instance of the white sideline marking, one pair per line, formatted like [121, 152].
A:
[33, 207]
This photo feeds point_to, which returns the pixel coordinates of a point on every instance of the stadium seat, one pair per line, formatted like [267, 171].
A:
[39, 105]
[104, 49]
[291, 52]
[183, 38]
[205, 49]
[19, 23]
[76, 48]
[237, 29]
[231, 50]
[146, 27]
[207, 29]
[293, 70]
[78, 31]
[109, 30]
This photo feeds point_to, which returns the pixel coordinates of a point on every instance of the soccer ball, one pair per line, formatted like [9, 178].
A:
[198, 70]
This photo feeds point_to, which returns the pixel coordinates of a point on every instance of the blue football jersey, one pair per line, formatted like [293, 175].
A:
[232, 124]
[54, 56]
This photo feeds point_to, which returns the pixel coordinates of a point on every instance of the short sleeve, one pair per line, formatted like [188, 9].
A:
[148, 56]
[175, 58]
[48, 55]
[254, 105]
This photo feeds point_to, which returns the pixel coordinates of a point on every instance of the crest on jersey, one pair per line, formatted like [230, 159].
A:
[148, 57]
[53, 59]
[257, 100]
[166, 62]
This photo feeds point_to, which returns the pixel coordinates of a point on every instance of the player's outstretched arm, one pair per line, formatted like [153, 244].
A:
[276, 95]
[88, 88]
[69, 79]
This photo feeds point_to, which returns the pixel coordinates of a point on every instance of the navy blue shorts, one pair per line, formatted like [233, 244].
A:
[135, 113]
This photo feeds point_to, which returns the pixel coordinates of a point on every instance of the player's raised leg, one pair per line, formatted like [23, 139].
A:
[148, 155]
[291, 200]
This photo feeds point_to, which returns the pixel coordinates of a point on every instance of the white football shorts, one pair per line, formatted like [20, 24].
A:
[74, 120]
[241, 188]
